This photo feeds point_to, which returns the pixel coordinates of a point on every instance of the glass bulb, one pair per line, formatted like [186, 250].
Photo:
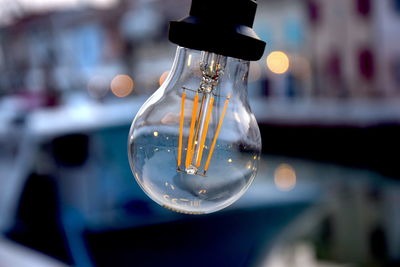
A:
[194, 145]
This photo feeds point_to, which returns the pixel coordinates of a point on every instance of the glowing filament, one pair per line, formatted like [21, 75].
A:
[200, 120]
[221, 119]
[199, 125]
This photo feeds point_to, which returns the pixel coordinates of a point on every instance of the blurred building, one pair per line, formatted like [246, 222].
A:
[283, 25]
[323, 58]
[79, 48]
[354, 48]
[336, 49]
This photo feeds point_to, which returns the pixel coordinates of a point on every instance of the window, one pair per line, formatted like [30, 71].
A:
[313, 12]
[363, 7]
[366, 64]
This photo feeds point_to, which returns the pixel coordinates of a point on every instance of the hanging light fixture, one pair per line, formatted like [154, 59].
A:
[194, 145]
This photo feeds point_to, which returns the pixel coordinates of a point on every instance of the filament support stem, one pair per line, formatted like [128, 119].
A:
[212, 68]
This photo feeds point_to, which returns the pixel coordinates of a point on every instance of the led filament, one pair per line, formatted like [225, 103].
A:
[211, 66]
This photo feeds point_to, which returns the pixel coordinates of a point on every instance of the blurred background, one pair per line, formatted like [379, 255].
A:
[326, 94]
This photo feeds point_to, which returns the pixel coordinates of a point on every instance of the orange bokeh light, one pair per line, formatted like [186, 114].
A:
[122, 85]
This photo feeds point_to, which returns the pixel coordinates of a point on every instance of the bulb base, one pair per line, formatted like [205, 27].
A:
[223, 27]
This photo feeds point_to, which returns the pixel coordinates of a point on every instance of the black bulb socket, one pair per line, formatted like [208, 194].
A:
[220, 26]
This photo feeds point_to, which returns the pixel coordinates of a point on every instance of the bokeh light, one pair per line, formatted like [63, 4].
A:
[285, 177]
[278, 62]
[97, 86]
[163, 77]
[122, 85]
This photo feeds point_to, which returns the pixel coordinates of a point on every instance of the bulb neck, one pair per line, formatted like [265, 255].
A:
[212, 67]
[220, 26]
[215, 72]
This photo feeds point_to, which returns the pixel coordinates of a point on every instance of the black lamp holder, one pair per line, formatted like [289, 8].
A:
[220, 26]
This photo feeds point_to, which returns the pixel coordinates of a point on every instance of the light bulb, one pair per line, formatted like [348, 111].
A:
[194, 145]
